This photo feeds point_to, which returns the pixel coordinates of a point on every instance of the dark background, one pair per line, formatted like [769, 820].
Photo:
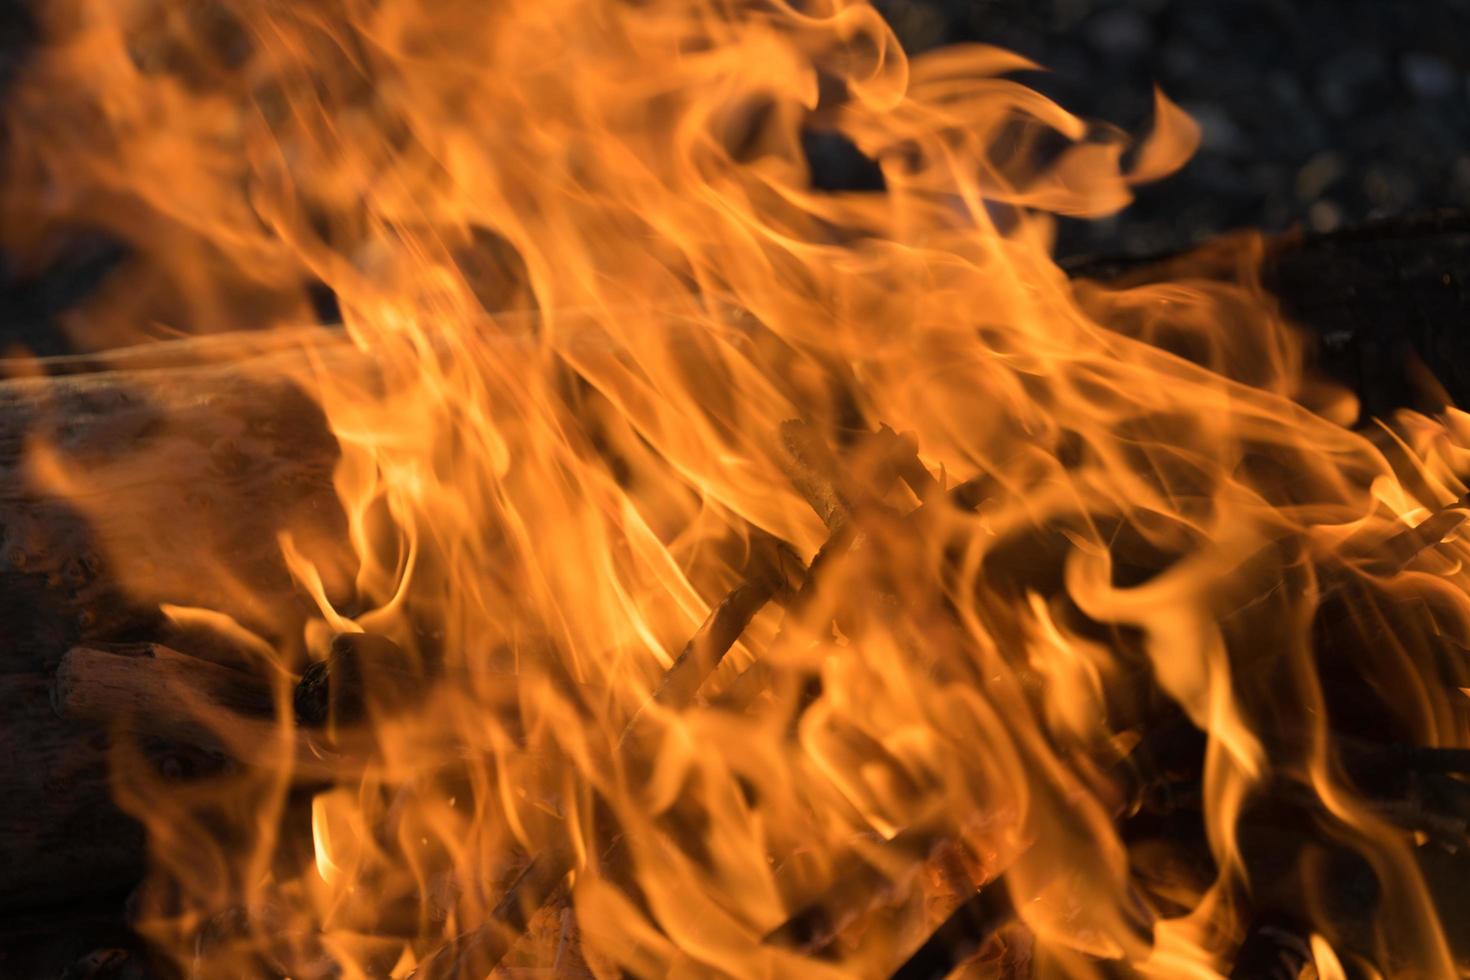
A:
[1315, 113]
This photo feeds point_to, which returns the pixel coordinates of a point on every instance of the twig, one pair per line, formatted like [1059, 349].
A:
[812, 469]
[720, 631]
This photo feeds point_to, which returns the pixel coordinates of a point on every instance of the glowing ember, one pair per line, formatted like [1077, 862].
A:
[618, 378]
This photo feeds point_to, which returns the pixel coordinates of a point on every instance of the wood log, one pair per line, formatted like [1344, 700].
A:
[61, 837]
[168, 693]
[89, 941]
[186, 441]
[179, 447]
[151, 691]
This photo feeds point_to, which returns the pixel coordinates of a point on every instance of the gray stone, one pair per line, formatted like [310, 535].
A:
[1428, 75]
[1218, 131]
[1121, 32]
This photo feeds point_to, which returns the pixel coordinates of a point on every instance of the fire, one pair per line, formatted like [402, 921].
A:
[961, 547]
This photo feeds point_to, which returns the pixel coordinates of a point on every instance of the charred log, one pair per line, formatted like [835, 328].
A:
[61, 836]
[363, 674]
[149, 691]
[230, 453]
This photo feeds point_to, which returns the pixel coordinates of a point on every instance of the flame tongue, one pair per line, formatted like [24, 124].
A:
[898, 688]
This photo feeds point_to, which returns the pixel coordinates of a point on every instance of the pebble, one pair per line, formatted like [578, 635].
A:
[1318, 174]
[1428, 76]
[1121, 32]
[1324, 216]
[1218, 130]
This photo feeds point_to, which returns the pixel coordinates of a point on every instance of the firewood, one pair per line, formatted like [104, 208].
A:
[477, 953]
[91, 941]
[183, 442]
[169, 692]
[61, 835]
[542, 883]
[230, 350]
[363, 673]
[150, 690]
[720, 631]
[812, 469]
[1274, 949]
[175, 448]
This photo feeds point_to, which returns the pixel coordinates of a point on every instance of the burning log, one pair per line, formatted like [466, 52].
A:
[172, 694]
[542, 883]
[230, 450]
[961, 935]
[719, 633]
[1273, 951]
[185, 445]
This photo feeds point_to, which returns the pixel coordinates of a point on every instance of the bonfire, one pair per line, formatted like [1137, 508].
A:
[520, 524]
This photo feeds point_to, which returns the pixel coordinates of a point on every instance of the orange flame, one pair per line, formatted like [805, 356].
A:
[588, 283]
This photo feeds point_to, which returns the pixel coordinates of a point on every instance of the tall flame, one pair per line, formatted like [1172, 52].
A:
[616, 359]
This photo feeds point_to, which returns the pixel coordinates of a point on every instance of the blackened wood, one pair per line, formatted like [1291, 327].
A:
[61, 836]
[150, 691]
[192, 446]
[90, 941]
[190, 473]
[857, 888]
[703, 653]
[146, 678]
[363, 673]
[1274, 949]
[478, 952]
